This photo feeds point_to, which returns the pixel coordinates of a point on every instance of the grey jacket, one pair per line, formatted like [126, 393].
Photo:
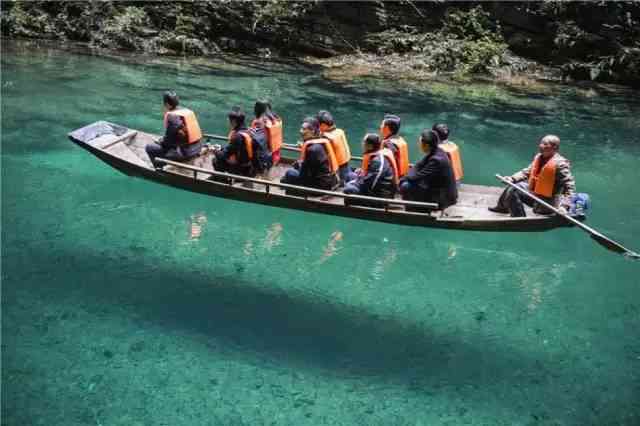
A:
[564, 186]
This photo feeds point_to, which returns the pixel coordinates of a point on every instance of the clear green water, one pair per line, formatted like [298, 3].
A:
[115, 311]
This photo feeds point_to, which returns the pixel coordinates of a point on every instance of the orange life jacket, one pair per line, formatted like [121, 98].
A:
[194, 134]
[248, 142]
[388, 155]
[340, 145]
[541, 182]
[401, 154]
[274, 134]
[272, 130]
[333, 162]
[454, 157]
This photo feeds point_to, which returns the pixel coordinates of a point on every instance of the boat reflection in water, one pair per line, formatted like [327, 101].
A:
[196, 224]
[332, 246]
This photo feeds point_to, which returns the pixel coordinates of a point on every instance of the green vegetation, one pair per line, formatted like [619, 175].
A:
[466, 43]
[597, 41]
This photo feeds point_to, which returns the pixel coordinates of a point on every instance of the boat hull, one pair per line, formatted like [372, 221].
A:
[194, 180]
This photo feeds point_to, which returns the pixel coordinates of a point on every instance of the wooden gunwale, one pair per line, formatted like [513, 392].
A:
[311, 199]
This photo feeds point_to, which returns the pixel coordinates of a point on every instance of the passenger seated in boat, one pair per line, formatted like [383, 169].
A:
[452, 150]
[339, 143]
[378, 176]
[430, 179]
[182, 138]
[389, 128]
[268, 126]
[548, 176]
[244, 155]
[317, 164]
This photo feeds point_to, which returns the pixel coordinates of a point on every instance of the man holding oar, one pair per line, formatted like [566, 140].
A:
[548, 176]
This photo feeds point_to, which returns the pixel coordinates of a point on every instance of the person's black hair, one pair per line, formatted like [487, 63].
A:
[171, 98]
[325, 117]
[373, 140]
[392, 122]
[442, 130]
[313, 123]
[261, 106]
[430, 137]
[237, 115]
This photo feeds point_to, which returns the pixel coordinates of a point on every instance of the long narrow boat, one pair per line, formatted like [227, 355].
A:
[123, 149]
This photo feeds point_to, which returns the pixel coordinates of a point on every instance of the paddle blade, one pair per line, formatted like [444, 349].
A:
[613, 246]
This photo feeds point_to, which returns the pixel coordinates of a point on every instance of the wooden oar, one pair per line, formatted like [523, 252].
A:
[597, 236]
[218, 137]
[286, 146]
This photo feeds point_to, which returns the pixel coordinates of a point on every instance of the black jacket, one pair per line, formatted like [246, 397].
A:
[377, 183]
[236, 147]
[174, 135]
[433, 176]
[315, 170]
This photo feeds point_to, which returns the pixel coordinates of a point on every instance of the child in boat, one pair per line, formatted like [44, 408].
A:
[245, 154]
[378, 176]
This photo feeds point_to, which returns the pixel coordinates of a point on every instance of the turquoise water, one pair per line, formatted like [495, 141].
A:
[129, 303]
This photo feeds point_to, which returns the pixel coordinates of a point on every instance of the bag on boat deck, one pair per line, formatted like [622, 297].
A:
[580, 203]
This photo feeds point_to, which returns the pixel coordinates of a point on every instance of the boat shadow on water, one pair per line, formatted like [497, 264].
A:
[310, 331]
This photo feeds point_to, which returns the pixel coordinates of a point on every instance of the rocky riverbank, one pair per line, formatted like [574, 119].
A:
[517, 42]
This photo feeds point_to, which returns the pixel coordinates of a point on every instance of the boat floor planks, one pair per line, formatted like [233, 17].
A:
[127, 154]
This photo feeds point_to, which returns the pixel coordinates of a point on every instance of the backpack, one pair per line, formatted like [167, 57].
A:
[262, 160]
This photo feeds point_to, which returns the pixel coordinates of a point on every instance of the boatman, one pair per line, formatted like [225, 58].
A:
[430, 179]
[389, 128]
[243, 155]
[269, 124]
[317, 165]
[182, 138]
[339, 143]
[451, 149]
[548, 176]
[378, 176]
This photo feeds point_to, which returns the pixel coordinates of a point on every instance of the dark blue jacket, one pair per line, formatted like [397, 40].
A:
[174, 135]
[237, 147]
[433, 179]
[315, 170]
[377, 183]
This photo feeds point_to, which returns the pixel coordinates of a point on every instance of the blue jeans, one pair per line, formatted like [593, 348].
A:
[344, 173]
[175, 153]
[352, 187]
[408, 189]
[292, 177]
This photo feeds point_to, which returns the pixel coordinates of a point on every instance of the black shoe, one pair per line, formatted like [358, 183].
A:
[497, 209]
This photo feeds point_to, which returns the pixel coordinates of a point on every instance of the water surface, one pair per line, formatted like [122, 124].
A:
[129, 303]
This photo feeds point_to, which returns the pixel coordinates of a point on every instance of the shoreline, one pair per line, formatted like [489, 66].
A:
[359, 67]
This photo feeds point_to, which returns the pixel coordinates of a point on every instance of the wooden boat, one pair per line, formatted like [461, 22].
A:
[123, 149]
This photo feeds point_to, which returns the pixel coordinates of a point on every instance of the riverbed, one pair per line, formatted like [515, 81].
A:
[125, 302]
